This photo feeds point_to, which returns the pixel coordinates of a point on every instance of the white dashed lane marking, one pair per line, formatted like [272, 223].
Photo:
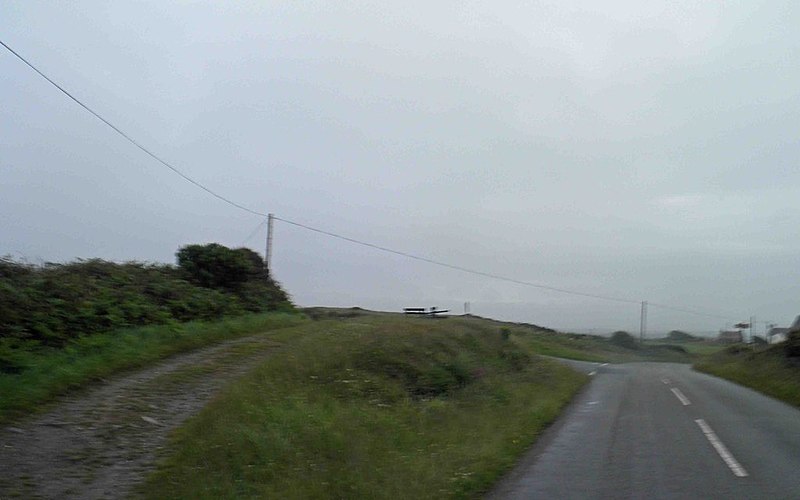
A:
[722, 450]
[681, 397]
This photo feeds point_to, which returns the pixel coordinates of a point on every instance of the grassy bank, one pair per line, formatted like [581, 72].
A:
[370, 407]
[47, 372]
[767, 370]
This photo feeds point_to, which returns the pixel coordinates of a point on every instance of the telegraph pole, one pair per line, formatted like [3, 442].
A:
[268, 254]
[643, 322]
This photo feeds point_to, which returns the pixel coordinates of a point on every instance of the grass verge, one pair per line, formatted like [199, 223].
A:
[767, 371]
[697, 349]
[598, 349]
[370, 407]
[49, 372]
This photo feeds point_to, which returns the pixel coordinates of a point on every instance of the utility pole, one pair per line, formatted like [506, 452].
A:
[268, 254]
[752, 320]
[643, 322]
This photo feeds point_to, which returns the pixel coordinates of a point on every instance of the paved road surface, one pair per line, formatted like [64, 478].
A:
[661, 430]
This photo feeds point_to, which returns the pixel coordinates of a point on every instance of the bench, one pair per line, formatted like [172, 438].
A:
[432, 313]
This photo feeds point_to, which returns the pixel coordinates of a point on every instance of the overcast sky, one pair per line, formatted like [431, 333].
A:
[643, 150]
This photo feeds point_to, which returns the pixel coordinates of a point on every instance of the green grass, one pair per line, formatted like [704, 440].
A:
[598, 349]
[370, 407]
[697, 348]
[766, 370]
[49, 372]
[579, 347]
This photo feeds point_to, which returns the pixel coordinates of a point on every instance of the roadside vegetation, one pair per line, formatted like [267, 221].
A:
[49, 372]
[371, 406]
[62, 325]
[773, 370]
[51, 304]
[352, 404]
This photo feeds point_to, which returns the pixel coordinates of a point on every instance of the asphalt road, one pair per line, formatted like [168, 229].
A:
[661, 430]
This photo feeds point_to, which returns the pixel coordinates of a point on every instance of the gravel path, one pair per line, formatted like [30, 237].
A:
[101, 442]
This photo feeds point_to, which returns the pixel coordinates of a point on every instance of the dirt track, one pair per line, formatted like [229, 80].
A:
[101, 442]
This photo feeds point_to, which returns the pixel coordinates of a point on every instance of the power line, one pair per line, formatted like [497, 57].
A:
[334, 235]
[496, 276]
[237, 205]
[128, 137]
[457, 268]
[688, 311]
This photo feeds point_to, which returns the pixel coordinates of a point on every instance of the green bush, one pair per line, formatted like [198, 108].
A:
[219, 267]
[53, 303]
[681, 336]
[624, 339]
[792, 345]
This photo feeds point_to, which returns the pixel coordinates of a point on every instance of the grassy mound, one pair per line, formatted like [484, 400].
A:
[370, 407]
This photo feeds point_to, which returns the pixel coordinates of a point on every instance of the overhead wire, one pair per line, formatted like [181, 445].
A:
[456, 267]
[129, 138]
[328, 233]
[496, 276]
[688, 311]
